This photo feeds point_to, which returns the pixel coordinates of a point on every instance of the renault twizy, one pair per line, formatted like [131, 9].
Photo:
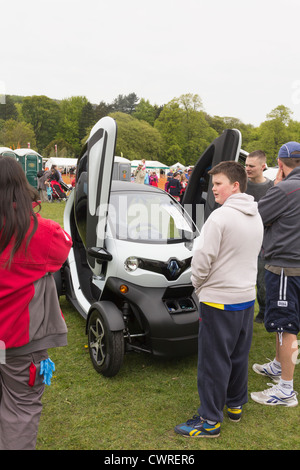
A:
[128, 272]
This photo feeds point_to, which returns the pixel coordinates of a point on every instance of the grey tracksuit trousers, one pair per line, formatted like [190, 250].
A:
[21, 390]
[223, 349]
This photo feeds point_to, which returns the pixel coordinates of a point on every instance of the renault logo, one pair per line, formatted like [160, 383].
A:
[173, 267]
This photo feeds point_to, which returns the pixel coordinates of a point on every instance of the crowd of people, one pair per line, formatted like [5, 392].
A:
[51, 185]
[251, 240]
[175, 182]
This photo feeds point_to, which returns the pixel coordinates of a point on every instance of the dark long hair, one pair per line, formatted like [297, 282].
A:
[16, 209]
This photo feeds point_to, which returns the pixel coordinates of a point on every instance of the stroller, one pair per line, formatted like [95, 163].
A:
[58, 192]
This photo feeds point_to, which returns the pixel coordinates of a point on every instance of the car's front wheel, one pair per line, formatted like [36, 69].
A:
[106, 347]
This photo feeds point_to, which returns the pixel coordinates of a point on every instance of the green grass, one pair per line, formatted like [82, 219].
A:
[138, 409]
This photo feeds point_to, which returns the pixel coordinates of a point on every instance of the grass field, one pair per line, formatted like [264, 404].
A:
[138, 409]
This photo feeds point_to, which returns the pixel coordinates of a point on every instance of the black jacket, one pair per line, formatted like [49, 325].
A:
[174, 187]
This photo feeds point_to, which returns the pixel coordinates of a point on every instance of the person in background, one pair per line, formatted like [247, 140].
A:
[56, 173]
[226, 292]
[42, 187]
[188, 174]
[49, 191]
[140, 174]
[173, 186]
[31, 248]
[153, 179]
[170, 175]
[183, 182]
[280, 212]
[257, 187]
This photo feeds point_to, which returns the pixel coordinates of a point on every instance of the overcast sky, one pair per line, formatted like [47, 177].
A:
[240, 56]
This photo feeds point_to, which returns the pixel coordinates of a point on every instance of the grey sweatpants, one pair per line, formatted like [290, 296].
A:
[21, 390]
[223, 349]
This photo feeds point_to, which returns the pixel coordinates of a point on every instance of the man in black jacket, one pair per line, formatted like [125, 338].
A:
[280, 212]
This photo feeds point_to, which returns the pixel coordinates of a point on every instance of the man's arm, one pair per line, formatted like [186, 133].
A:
[272, 205]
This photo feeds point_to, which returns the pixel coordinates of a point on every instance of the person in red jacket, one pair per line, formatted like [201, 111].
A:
[31, 249]
[153, 179]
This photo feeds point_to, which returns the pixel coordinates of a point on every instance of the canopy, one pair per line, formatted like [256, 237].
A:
[61, 162]
[182, 167]
[149, 164]
[25, 151]
[4, 150]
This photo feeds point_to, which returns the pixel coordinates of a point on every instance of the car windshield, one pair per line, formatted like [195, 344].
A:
[148, 217]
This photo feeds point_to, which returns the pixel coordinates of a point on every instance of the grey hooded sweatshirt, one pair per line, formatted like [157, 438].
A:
[224, 264]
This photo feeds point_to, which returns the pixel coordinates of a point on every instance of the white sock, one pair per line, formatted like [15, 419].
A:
[286, 385]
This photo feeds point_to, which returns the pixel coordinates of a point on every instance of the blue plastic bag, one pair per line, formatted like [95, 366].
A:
[47, 368]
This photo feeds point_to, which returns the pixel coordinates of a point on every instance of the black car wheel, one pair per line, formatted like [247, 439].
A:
[106, 347]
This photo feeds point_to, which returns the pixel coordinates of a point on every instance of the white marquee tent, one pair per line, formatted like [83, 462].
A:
[61, 162]
[178, 164]
[150, 164]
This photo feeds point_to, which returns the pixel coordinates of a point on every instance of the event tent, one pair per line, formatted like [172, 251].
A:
[61, 162]
[182, 167]
[150, 164]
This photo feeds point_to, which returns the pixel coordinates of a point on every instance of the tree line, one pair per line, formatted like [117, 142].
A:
[179, 130]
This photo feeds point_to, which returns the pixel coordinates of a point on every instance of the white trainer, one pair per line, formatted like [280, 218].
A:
[268, 370]
[275, 396]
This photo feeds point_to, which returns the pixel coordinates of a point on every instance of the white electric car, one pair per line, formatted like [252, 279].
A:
[128, 272]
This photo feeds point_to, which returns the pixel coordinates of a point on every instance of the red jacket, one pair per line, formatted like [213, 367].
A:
[27, 313]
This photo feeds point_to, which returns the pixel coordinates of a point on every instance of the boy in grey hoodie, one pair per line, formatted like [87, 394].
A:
[224, 269]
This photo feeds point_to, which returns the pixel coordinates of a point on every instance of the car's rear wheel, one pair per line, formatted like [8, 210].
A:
[106, 347]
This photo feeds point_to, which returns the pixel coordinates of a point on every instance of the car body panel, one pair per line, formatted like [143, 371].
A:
[225, 147]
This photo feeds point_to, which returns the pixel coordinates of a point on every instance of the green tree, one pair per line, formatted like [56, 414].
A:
[15, 134]
[274, 132]
[64, 149]
[87, 118]
[169, 124]
[248, 131]
[293, 129]
[43, 114]
[71, 110]
[102, 109]
[8, 109]
[145, 111]
[125, 103]
[185, 130]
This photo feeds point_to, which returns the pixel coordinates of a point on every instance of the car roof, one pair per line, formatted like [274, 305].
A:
[130, 186]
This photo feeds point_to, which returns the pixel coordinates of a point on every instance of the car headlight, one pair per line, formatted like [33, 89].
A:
[131, 263]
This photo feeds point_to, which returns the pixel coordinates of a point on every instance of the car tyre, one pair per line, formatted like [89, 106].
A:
[106, 347]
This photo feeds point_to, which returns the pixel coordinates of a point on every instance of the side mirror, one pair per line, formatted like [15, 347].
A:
[100, 254]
